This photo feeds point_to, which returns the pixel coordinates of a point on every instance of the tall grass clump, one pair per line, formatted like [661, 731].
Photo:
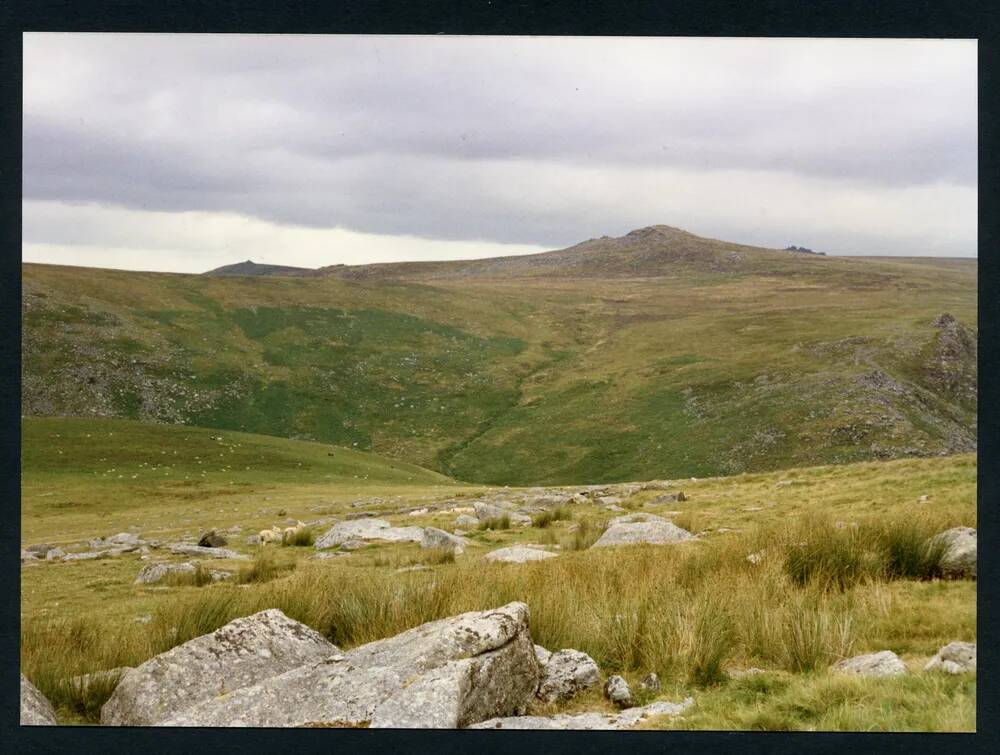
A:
[911, 551]
[301, 537]
[496, 523]
[585, 535]
[711, 643]
[263, 568]
[813, 634]
[197, 578]
[834, 558]
[547, 517]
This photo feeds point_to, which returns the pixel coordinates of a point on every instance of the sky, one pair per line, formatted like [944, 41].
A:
[186, 152]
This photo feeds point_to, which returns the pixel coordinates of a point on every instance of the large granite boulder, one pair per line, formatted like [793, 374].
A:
[566, 673]
[959, 559]
[36, 710]
[243, 652]
[368, 529]
[445, 674]
[485, 511]
[212, 539]
[883, 663]
[634, 529]
[954, 658]
[518, 554]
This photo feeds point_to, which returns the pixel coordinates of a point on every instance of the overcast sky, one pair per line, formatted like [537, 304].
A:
[185, 152]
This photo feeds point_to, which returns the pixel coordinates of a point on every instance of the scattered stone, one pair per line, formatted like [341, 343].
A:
[435, 538]
[152, 573]
[415, 567]
[756, 558]
[614, 507]
[243, 652]
[883, 663]
[253, 540]
[616, 690]
[86, 555]
[466, 521]
[418, 512]
[751, 509]
[39, 550]
[446, 674]
[923, 499]
[485, 511]
[36, 710]
[55, 553]
[144, 619]
[520, 520]
[959, 559]
[368, 529]
[650, 682]
[212, 539]
[518, 554]
[954, 658]
[566, 673]
[125, 538]
[627, 719]
[609, 500]
[641, 528]
[353, 545]
[189, 549]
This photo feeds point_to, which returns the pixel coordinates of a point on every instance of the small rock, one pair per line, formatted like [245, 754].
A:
[145, 619]
[959, 559]
[466, 521]
[198, 550]
[756, 558]
[55, 553]
[616, 690]
[884, 663]
[152, 573]
[435, 538]
[650, 682]
[566, 673]
[954, 658]
[737, 673]
[542, 655]
[518, 554]
[212, 539]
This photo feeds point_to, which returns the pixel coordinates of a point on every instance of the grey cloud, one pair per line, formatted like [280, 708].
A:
[403, 135]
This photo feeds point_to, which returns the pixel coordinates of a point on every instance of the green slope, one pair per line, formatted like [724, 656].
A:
[707, 359]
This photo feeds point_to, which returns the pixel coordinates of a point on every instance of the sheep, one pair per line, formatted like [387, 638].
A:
[270, 536]
[291, 531]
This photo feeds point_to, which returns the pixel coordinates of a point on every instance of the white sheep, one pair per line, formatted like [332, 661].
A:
[270, 536]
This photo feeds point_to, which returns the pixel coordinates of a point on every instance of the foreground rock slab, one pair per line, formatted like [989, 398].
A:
[954, 658]
[445, 674]
[368, 529]
[36, 710]
[627, 719]
[884, 663]
[243, 652]
[152, 573]
[635, 529]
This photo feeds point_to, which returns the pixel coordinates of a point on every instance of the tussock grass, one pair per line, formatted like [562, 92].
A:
[303, 537]
[585, 535]
[496, 523]
[686, 611]
[689, 520]
[547, 517]
[263, 568]
[198, 578]
[425, 556]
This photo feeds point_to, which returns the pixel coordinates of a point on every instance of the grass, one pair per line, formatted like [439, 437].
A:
[686, 612]
[699, 373]
[545, 518]
[299, 538]
[263, 568]
[501, 522]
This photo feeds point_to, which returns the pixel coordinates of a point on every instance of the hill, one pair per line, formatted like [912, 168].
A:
[252, 268]
[656, 355]
[658, 250]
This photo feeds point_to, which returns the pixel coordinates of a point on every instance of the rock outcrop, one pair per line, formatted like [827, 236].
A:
[884, 663]
[189, 549]
[36, 710]
[435, 538]
[634, 529]
[444, 674]
[954, 658]
[241, 653]
[367, 529]
[152, 573]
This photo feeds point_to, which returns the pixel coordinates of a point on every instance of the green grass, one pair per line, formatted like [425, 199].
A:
[697, 373]
[501, 522]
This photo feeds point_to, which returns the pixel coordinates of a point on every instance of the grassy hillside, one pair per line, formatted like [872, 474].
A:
[686, 611]
[82, 474]
[652, 356]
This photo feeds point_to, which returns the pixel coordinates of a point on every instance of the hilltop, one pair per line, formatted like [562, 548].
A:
[250, 268]
[656, 354]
